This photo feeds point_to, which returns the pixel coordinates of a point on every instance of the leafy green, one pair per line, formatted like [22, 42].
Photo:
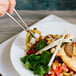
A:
[37, 63]
[40, 45]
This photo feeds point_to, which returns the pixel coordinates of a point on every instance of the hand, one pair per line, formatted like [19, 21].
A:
[6, 5]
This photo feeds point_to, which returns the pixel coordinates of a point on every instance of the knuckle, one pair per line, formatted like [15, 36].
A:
[3, 9]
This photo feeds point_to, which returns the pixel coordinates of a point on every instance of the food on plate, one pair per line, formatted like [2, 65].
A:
[69, 61]
[68, 48]
[74, 48]
[30, 40]
[37, 59]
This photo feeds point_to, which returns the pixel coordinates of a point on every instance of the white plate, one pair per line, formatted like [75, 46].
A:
[18, 46]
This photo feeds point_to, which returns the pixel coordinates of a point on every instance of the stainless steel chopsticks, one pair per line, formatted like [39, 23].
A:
[25, 27]
[20, 18]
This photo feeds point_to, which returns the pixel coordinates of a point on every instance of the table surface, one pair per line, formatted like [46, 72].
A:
[8, 28]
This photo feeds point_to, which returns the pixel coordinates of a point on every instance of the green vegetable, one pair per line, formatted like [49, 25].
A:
[41, 69]
[27, 65]
[29, 38]
[37, 63]
[23, 59]
[37, 58]
[40, 45]
[35, 28]
[28, 58]
[45, 57]
[70, 39]
[34, 61]
[34, 64]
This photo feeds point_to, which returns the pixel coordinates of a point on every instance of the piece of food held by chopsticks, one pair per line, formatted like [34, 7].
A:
[30, 41]
[41, 50]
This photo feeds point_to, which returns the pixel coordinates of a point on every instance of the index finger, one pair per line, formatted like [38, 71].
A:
[12, 4]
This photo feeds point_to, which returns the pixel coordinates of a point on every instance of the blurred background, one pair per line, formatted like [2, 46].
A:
[33, 11]
[46, 4]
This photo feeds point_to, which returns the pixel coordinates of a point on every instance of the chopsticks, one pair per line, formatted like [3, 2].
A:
[57, 48]
[25, 27]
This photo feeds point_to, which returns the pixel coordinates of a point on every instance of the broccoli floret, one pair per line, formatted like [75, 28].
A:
[23, 59]
[41, 69]
[27, 65]
[37, 63]
[45, 57]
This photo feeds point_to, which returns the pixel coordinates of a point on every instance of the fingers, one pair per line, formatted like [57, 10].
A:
[2, 11]
[4, 4]
[12, 4]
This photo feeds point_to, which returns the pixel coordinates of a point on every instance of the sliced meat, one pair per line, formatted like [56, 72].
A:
[68, 48]
[74, 48]
[69, 61]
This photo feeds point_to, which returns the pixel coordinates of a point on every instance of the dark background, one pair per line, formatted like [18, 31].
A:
[46, 4]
